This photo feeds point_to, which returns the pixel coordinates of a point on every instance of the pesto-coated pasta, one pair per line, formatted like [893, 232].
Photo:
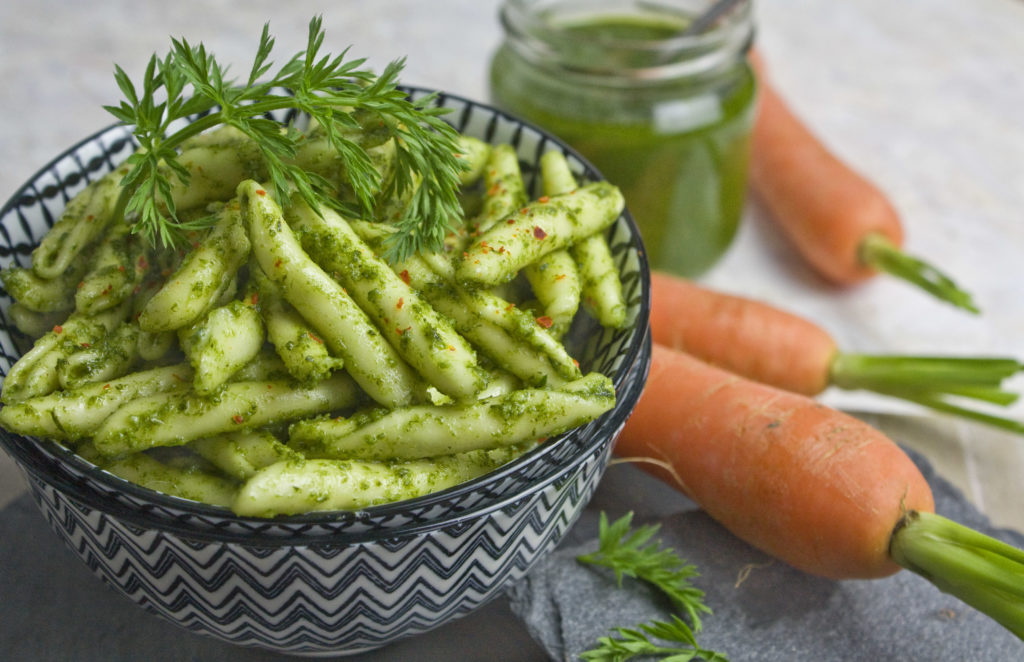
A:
[221, 343]
[187, 483]
[537, 229]
[202, 278]
[515, 417]
[274, 362]
[85, 219]
[348, 332]
[77, 413]
[299, 486]
[161, 420]
[424, 338]
[241, 454]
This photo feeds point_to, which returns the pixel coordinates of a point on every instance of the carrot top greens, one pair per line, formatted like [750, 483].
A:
[633, 553]
[337, 93]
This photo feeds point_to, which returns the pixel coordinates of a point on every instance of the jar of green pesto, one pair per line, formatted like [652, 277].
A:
[663, 113]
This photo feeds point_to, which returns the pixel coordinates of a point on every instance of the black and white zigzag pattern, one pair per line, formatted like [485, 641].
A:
[324, 598]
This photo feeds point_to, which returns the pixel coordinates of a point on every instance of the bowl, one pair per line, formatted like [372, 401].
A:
[332, 582]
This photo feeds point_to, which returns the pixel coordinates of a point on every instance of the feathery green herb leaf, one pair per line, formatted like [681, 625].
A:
[333, 91]
[637, 642]
[635, 555]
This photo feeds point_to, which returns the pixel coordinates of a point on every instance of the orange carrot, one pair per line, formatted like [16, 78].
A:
[742, 335]
[805, 483]
[812, 486]
[842, 224]
[769, 345]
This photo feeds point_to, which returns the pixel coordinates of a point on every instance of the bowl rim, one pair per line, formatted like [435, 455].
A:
[622, 406]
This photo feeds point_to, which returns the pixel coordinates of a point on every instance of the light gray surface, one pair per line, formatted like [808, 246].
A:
[924, 96]
[764, 611]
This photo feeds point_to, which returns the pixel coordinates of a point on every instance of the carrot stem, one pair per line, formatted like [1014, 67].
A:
[932, 381]
[985, 573]
[879, 253]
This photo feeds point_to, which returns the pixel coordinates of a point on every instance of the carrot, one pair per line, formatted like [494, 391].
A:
[814, 487]
[842, 224]
[766, 344]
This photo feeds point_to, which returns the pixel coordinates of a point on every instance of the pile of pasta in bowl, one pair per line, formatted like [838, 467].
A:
[277, 388]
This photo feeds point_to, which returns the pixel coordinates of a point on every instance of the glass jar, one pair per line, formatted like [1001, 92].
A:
[663, 114]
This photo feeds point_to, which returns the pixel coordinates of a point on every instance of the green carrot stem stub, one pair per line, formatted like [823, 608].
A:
[982, 571]
[878, 252]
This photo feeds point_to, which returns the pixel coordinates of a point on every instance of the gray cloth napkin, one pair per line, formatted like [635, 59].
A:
[764, 610]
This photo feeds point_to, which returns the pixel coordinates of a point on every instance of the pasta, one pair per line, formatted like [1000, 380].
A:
[280, 364]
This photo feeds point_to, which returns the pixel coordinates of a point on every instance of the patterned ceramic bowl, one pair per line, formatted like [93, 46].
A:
[342, 582]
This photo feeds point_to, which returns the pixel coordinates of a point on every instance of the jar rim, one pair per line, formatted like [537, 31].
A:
[540, 34]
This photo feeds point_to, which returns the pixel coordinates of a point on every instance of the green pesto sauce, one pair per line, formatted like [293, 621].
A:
[678, 150]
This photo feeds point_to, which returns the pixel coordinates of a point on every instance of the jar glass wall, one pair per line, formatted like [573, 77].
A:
[664, 115]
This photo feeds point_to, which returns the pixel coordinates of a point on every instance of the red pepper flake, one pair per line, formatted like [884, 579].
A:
[86, 345]
[510, 307]
[576, 363]
[538, 232]
[237, 418]
[494, 189]
[106, 387]
[90, 218]
[559, 276]
[143, 263]
[254, 298]
[524, 210]
[400, 331]
[107, 290]
[545, 321]
[315, 339]
[81, 284]
[543, 198]
[260, 192]
[451, 348]
[501, 249]
[405, 276]
[511, 221]
[401, 302]
[277, 263]
[120, 268]
[58, 329]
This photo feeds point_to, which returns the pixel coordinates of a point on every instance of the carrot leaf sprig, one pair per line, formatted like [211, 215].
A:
[640, 642]
[634, 554]
[954, 385]
[337, 93]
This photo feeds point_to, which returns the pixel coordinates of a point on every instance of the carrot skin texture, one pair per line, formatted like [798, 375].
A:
[808, 485]
[748, 337]
[825, 207]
